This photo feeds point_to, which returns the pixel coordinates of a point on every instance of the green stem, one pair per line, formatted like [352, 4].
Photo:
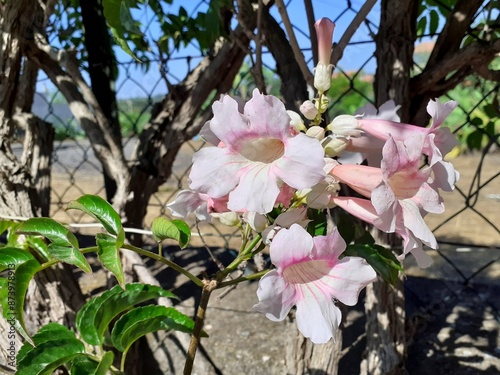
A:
[161, 259]
[208, 287]
[254, 276]
[242, 256]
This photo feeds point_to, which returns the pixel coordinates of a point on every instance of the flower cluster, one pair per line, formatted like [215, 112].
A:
[268, 169]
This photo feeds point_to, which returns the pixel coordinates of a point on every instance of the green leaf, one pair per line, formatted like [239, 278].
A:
[6, 224]
[64, 244]
[421, 25]
[109, 255]
[475, 140]
[383, 261]
[434, 21]
[345, 226]
[142, 320]
[46, 357]
[11, 257]
[23, 275]
[178, 230]
[105, 364]
[39, 246]
[42, 226]
[100, 210]
[318, 224]
[93, 319]
[83, 365]
[50, 332]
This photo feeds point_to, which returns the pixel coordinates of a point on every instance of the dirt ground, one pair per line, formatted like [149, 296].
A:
[452, 307]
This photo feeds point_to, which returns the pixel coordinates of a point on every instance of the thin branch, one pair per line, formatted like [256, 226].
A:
[312, 31]
[486, 73]
[257, 69]
[470, 55]
[338, 49]
[295, 45]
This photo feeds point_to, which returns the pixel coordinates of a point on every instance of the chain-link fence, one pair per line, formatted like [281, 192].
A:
[469, 231]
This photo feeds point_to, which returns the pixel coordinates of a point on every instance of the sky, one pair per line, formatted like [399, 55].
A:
[134, 81]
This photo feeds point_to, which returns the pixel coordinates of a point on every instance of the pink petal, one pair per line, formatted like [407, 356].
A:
[290, 246]
[214, 171]
[257, 190]
[328, 247]
[383, 129]
[318, 319]
[360, 178]
[276, 299]
[302, 164]
[348, 278]
[361, 208]
[188, 201]
[267, 115]
[439, 111]
[226, 112]
[414, 221]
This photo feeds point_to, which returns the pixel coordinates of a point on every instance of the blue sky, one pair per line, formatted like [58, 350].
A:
[134, 81]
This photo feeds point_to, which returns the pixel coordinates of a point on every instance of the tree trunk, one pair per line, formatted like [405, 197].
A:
[102, 72]
[54, 295]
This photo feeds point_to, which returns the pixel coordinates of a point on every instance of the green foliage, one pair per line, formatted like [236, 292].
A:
[383, 261]
[94, 317]
[108, 246]
[349, 93]
[64, 245]
[178, 230]
[142, 320]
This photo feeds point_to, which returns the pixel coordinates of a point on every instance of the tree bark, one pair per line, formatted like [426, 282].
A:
[24, 183]
[102, 72]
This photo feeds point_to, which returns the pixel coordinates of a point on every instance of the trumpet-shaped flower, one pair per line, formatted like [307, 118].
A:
[309, 275]
[323, 71]
[202, 205]
[400, 192]
[438, 141]
[257, 155]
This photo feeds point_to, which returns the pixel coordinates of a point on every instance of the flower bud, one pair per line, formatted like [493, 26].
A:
[345, 125]
[324, 32]
[296, 121]
[334, 146]
[231, 219]
[322, 77]
[309, 110]
[316, 132]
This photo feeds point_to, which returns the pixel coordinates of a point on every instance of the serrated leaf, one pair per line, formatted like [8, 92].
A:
[70, 255]
[50, 332]
[108, 253]
[100, 210]
[143, 320]
[64, 244]
[42, 226]
[383, 261]
[92, 321]
[178, 230]
[11, 257]
[46, 357]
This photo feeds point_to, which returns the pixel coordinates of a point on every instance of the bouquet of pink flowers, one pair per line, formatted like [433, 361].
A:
[271, 171]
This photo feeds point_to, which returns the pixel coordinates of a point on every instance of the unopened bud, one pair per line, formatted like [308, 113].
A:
[296, 121]
[345, 125]
[334, 146]
[323, 77]
[316, 132]
[309, 110]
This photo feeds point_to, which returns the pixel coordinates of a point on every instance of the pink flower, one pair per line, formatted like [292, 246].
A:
[202, 205]
[438, 141]
[256, 156]
[400, 192]
[363, 209]
[310, 275]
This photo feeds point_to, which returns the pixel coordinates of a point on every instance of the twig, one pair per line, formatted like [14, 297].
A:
[338, 50]
[312, 31]
[257, 69]
[294, 44]
[214, 258]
